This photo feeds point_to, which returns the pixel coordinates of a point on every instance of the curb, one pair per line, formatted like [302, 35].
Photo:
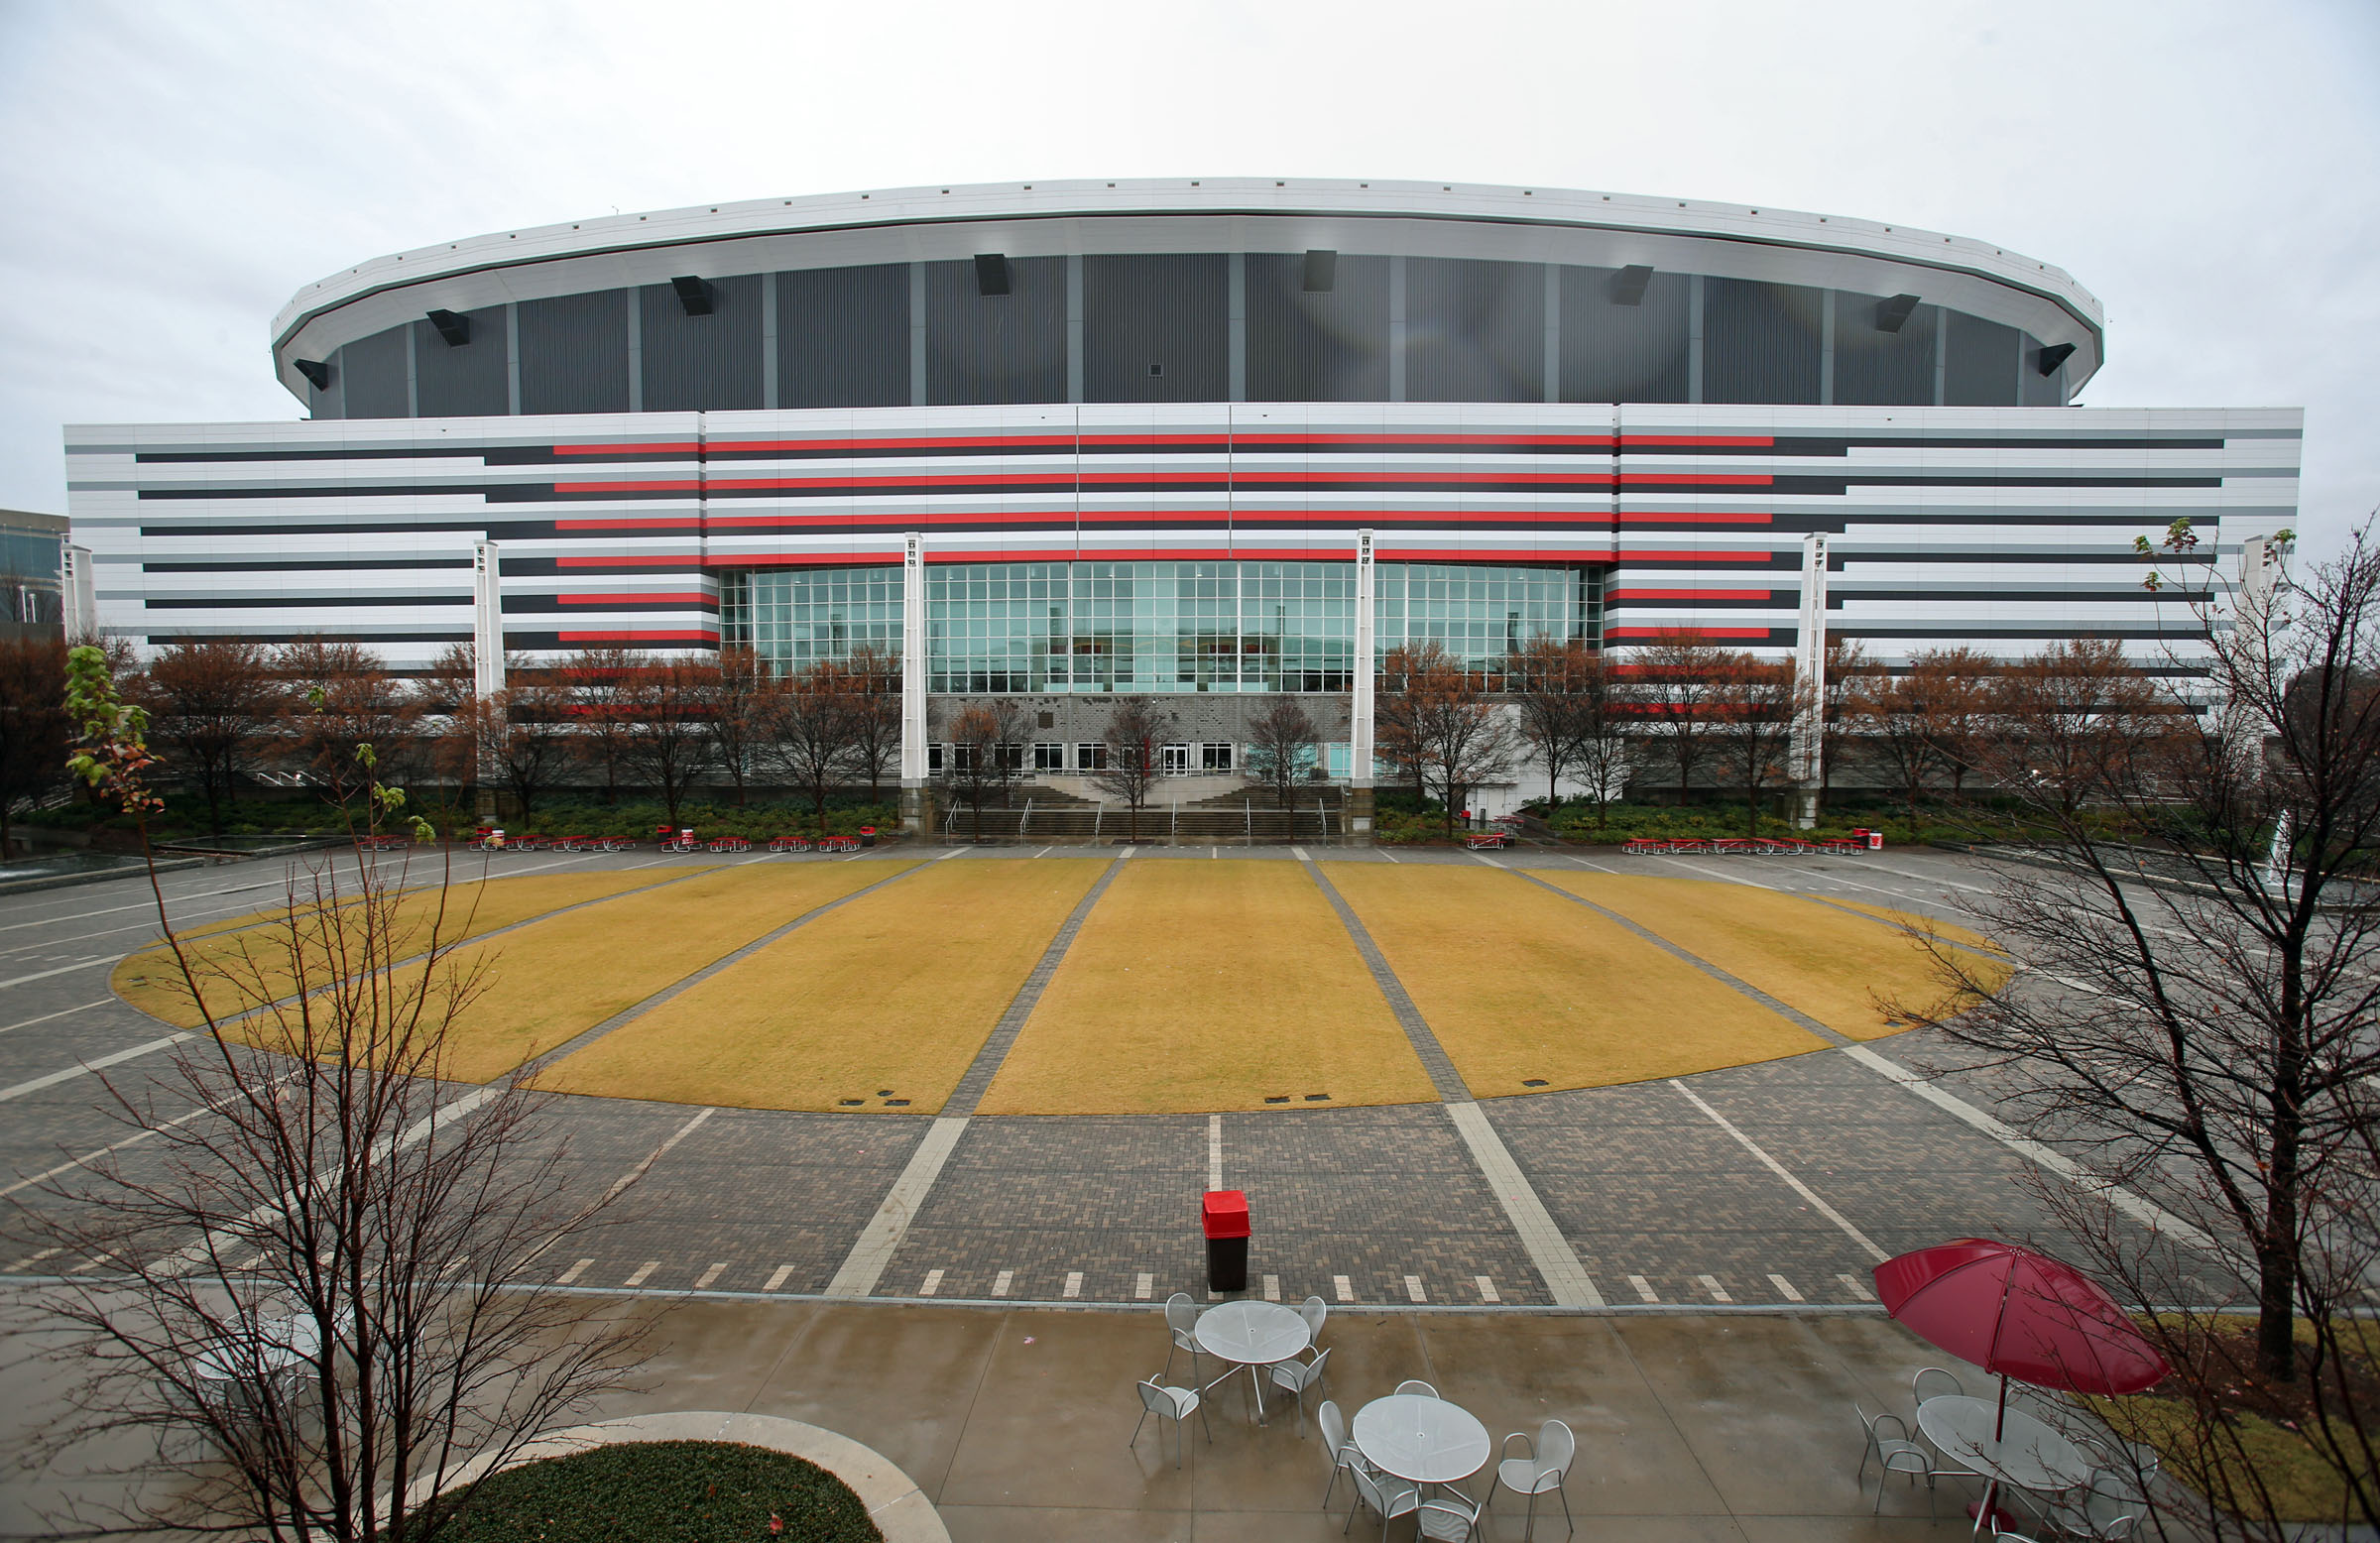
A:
[895, 1504]
[133, 869]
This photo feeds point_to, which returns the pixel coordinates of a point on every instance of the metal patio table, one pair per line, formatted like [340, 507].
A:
[1426, 1440]
[2028, 1455]
[1253, 1335]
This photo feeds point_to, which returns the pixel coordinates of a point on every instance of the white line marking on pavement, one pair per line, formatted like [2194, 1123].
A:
[655, 1155]
[31, 1258]
[931, 1284]
[572, 1273]
[642, 1270]
[1074, 1283]
[36, 1084]
[141, 1135]
[1597, 867]
[1484, 858]
[1344, 1288]
[1718, 1293]
[59, 1013]
[1860, 1292]
[2147, 1213]
[1718, 872]
[999, 1282]
[1300, 854]
[1142, 1285]
[1413, 1288]
[703, 1281]
[1214, 1152]
[1486, 1289]
[1785, 1288]
[1948, 884]
[1805, 1191]
[1272, 1288]
[1549, 1250]
[1644, 1289]
[864, 1265]
[65, 969]
[1390, 855]
[777, 1276]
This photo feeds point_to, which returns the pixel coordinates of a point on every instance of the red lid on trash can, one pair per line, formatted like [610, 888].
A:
[1225, 1213]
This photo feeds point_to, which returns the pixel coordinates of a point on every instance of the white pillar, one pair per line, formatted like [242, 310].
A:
[487, 620]
[1359, 716]
[1808, 753]
[78, 602]
[912, 672]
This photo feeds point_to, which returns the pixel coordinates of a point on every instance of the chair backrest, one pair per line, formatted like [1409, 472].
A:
[1333, 1426]
[1882, 1426]
[1311, 1373]
[1313, 1310]
[1180, 1312]
[1155, 1399]
[1933, 1383]
[1447, 1515]
[1556, 1447]
[1416, 1385]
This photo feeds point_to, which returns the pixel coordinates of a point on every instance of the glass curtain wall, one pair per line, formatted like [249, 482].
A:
[1158, 626]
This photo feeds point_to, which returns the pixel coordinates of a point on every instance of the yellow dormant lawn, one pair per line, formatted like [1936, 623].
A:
[898, 991]
[1809, 956]
[1521, 985]
[256, 954]
[1207, 986]
[1948, 931]
[553, 979]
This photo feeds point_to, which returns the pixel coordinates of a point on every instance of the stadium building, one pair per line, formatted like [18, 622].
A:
[1213, 439]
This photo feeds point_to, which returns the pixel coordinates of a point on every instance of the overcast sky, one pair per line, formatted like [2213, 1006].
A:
[171, 174]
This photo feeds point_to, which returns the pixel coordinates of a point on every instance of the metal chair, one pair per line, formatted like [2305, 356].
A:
[1384, 1495]
[2105, 1508]
[1447, 1514]
[1181, 1318]
[1168, 1404]
[1419, 1387]
[1314, 1310]
[1546, 1466]
[1335, 1445]
[1901, 1456]
[1299, 1376]
[1885, 1432]
[1933, 1383]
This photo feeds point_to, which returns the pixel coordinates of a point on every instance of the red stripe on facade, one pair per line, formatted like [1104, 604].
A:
[1730, 440]
[1700, 479]
[1691, 594]
[1679, 558]
[686, 597]
[1059, 518]
[1699, 632]
[695, 635]
[1064, 441]
[1693, 517]
[1057, 479]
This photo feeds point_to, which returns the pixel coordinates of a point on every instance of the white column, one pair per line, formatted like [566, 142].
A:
[79, 605]
[1359, 715]
[487, 620]
[913, 660]
[1808, 751]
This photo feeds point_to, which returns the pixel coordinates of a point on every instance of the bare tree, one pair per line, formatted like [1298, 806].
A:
[334, 697]
[1553, 682]
[1607, 750]
[810, 738]
[2076, 721]
[1396, 726]
[211, 702]
[600, 680]
[320, 1296]
[666, 727]
[1461, 736]
[524, 736]
[735, 716]
[1680, 675]
[872, 683]
[1134, 739]
[34, 727]
[983, 755]
[1848, 675]
[1753, 703]
[1280, 749]
[2214, 1047]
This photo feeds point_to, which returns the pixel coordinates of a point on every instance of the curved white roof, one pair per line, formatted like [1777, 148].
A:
[1526, 224]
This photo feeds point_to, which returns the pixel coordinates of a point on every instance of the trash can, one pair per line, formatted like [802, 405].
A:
[867, 835]
[1224, 1212]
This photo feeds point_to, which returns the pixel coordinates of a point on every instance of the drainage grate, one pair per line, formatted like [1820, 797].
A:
[848, 1103]
[897, 1103]
[1532, 1082]
[1315, 1098]
[1279, 1098]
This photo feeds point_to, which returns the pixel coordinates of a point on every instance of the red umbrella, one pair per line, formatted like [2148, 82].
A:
[2021, 1314]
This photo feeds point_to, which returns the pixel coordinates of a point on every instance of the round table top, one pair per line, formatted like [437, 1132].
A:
[1426, 1440]
[278, 1343]
[1254, 1334]
[2029, 1455]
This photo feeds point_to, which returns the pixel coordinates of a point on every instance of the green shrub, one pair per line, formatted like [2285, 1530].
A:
[665, 1492]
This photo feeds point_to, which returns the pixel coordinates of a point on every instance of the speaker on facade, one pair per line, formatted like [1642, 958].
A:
[2054, 356]
[1894, 313]
[456, 328]
[1628, 284]
[693, 295]
[316, 371]
[1322, 270]
[990, 273]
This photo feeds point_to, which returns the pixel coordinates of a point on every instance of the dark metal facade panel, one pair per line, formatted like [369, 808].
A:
[329, 400]
[701, 364]
[996, 348]
[1474, 331]
[843, 337]
[1623, 354]
[470, 381]
[1760, 341]
[574, 353]
[1981, 363]
[2034, 389]
[1882, 369]
[1328, 347]
[374, 369]
[1157, 328]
